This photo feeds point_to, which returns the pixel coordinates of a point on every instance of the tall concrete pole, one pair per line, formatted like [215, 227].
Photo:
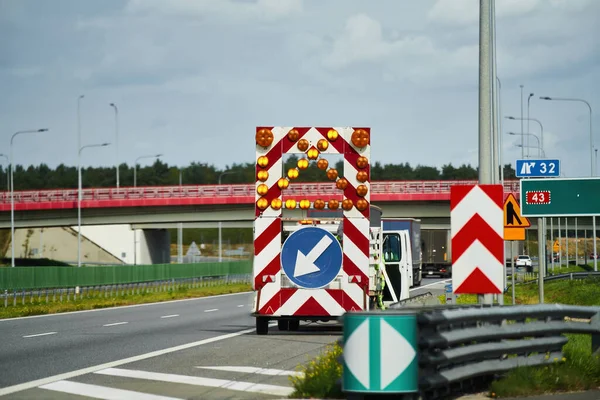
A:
[485, 119]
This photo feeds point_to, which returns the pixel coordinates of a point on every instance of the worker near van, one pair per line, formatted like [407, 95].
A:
[379, 280]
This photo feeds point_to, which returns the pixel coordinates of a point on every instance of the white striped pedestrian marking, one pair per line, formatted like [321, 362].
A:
[256, 370]
[101, 392]
[199, 381]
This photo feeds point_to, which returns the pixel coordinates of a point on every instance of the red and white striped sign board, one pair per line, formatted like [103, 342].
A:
[352, 197]
[477, 229]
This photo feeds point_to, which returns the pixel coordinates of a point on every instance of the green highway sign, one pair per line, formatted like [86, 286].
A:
[560, 197]
[380, 353]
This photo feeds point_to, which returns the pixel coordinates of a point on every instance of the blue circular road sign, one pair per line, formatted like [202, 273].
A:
[311, 257]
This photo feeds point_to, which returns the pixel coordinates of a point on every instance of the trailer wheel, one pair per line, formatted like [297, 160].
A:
[262, 325]
[283, 325]
[294, 325]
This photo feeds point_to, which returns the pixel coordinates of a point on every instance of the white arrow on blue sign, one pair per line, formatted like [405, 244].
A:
[544, 168]
[311, 257]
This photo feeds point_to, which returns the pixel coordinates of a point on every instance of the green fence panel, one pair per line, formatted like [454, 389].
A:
[57, 277]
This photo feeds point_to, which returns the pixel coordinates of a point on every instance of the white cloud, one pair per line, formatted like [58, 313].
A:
[227, 9]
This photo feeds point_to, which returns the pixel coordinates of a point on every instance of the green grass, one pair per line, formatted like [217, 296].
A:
[577, 371]
[39, 307]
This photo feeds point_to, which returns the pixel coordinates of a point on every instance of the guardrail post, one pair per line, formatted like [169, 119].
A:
[380, 355]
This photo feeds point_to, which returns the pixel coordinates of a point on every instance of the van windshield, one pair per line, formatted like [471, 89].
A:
[523, 257]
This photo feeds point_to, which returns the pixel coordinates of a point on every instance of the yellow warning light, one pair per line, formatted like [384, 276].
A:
[312, 154]
[303, 163]
[342, 183]
[304, 204]
[360, 138]
[262, 189]
[262, 203]
[362, 176]
[332, 174]
[305, 222]
[292, 173]
[362, 162]
[322, 164]
[362, 204]
[262, 175]
[322, 145]
[362, 190]
[293, 135]
[276, 204]
[319, 204]
[283, 183]
[262, 161]
[347, 204]
[332, 135]
[303, 145]
[290, 203]
[264, 137]
[333, 204]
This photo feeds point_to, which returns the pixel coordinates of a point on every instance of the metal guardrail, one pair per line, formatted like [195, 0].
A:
[68, 294]
[456, 348]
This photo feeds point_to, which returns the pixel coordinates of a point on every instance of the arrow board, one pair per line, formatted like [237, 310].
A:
[311, 257]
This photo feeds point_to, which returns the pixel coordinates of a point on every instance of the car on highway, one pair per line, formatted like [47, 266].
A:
[524, 261]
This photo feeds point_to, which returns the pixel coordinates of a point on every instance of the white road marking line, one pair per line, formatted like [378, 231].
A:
[88, 370]
[241, 305]
[256, 370]
[123, 307]
[101, 392]
[430, 284]
[211, 310]
[170, 316]
[116, 323]
[199, 381]
[40, 334]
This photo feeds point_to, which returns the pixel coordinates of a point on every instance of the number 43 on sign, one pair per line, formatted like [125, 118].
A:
[537, 197]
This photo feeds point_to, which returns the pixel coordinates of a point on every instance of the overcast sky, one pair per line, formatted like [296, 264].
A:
[192, 79]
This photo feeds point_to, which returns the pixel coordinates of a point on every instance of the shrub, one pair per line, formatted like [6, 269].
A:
[320, 377]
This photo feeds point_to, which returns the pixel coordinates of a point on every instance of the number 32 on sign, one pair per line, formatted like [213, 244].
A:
[537, 197]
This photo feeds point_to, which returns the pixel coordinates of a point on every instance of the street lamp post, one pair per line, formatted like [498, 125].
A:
[12, 193]
[7, 176]
[591, 159]
[79, 197]
[220, 223]
[527, 119]
[135, 185]
[135, 166]
[541, 152]
[113, 105]
[534, 120]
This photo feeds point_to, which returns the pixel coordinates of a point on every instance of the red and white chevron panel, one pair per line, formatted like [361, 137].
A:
[272, 298]
[477, 229]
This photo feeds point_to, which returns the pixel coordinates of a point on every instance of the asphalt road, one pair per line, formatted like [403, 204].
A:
[158, 349]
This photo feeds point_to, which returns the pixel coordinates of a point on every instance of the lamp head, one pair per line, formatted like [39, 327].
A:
[43, 130]
[545, 98]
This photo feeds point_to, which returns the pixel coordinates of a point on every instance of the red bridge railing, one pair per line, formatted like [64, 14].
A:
[381, 191]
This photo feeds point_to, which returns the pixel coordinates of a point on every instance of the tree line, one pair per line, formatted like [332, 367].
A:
[160, 173]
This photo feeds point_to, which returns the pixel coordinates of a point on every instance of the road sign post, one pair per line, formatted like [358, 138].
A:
[380, 353]
[544, 168]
